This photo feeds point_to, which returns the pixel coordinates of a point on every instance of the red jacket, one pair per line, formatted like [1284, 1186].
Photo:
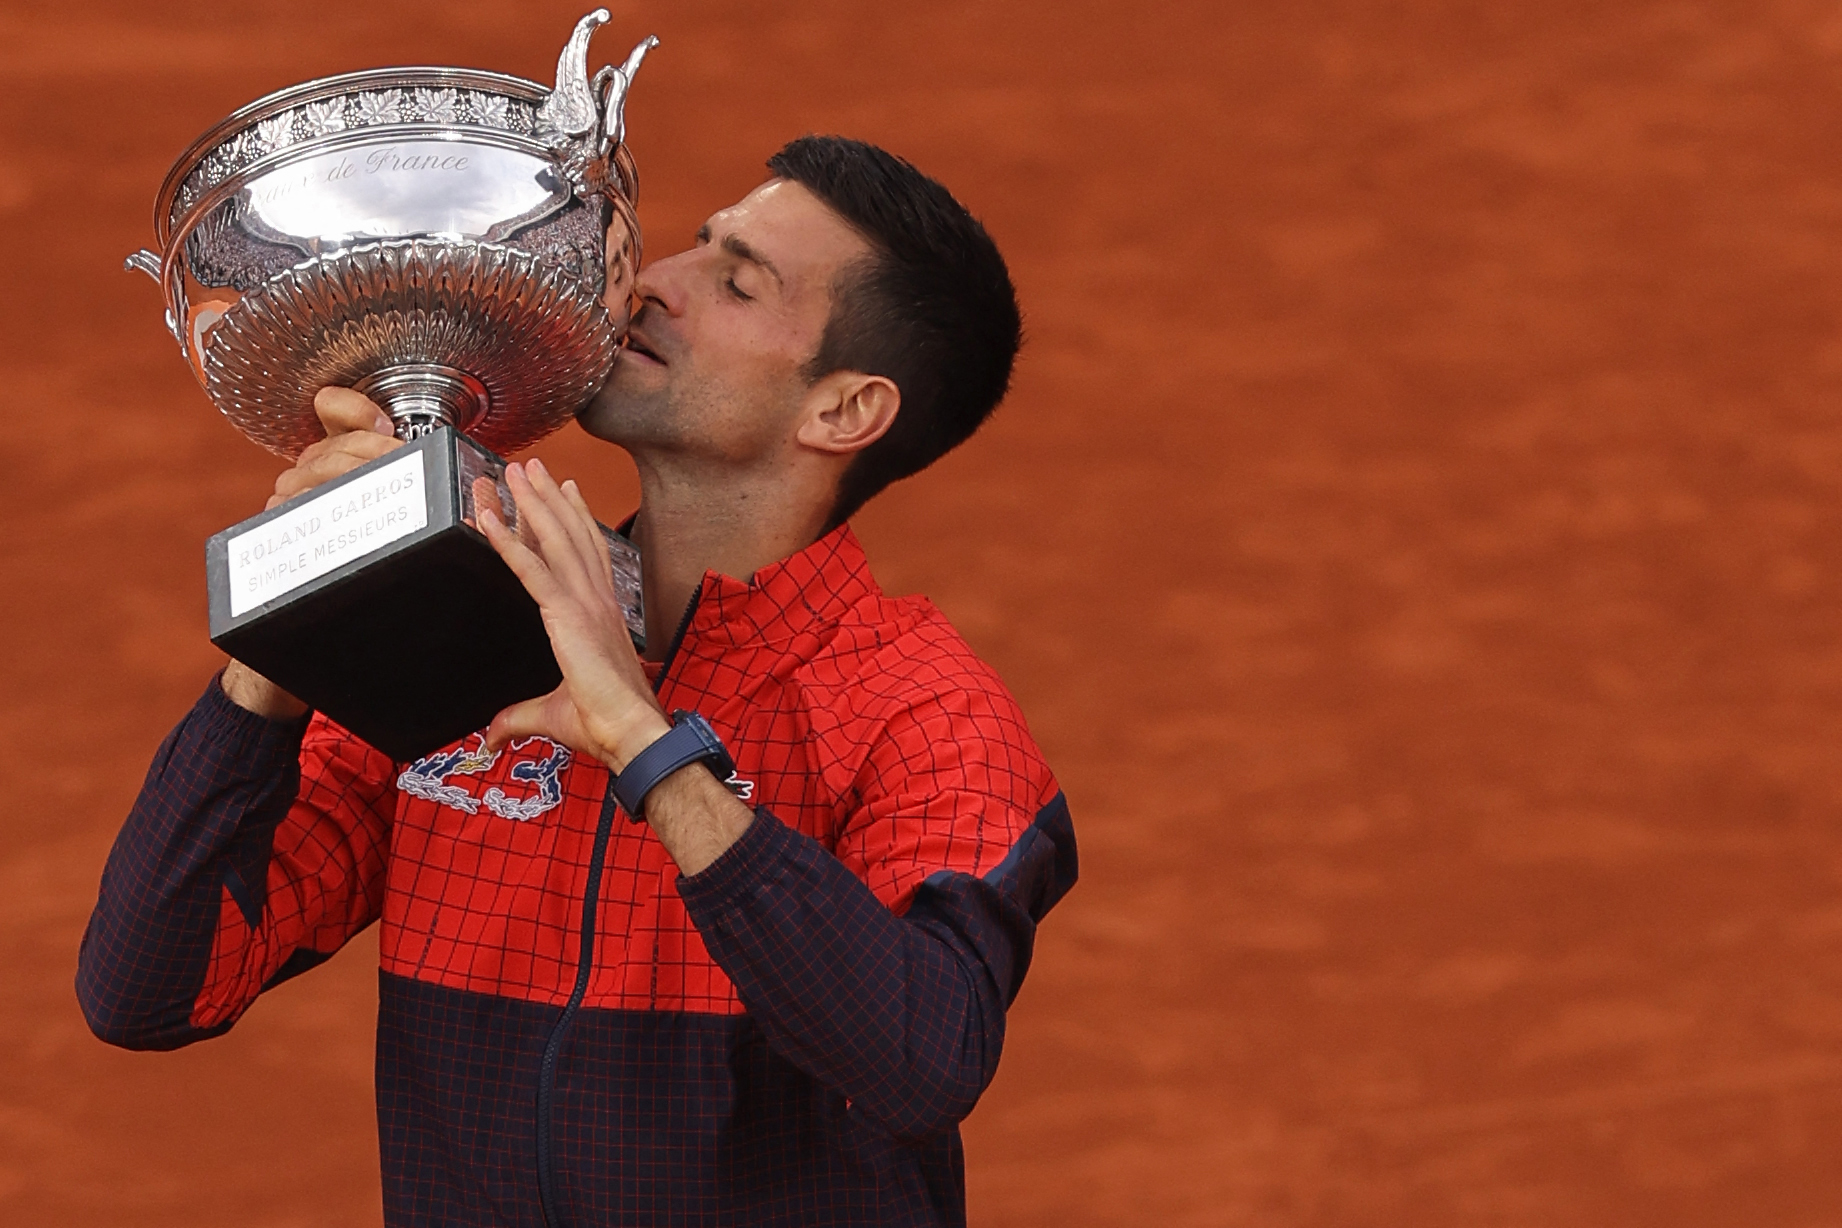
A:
[565, 1021]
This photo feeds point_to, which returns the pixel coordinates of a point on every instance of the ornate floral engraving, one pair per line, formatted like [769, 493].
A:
[330, 115]
[182, 200]
[492, 110]
[216, 165]
[276, 132]
[189, 192]
[438, 106]
[237, 151]
[327, 115]
[379, 107]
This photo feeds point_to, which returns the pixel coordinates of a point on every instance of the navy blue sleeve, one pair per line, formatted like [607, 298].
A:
[902, 1015]
[204, 822]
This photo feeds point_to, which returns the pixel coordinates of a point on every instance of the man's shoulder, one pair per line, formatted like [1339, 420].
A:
[900, 703]
[898, 649]
[897, 675]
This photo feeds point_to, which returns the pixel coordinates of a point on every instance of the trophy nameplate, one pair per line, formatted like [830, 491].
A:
[376, 599]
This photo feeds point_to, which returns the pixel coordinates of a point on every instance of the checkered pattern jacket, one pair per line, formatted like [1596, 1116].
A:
[572, 1033]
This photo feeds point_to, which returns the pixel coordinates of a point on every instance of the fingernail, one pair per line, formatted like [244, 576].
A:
[537, 466]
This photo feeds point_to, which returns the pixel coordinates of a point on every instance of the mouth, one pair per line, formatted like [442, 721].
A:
[636, 346]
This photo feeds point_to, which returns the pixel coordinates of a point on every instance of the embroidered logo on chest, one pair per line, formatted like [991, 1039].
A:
[428, 777]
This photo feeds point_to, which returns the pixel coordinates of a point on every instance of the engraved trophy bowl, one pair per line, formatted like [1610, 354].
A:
[459, 245]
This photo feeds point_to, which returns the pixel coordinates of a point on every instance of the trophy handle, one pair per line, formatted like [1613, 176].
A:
[614, 125]
[146, 261]
[149, 263]
[569, 112]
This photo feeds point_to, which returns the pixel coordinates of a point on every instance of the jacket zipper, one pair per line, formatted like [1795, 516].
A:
[585, 959]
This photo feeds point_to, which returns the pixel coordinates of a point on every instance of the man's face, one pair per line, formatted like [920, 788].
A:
[715, 362]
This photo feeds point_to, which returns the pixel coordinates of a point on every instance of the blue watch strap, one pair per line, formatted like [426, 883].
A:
[691, 740]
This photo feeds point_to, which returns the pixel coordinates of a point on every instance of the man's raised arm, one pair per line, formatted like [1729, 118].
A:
[256, 845]
[231, 874]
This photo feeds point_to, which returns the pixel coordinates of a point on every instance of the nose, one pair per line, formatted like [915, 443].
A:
[661, 283]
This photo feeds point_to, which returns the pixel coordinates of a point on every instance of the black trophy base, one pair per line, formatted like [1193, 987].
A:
[410, 635]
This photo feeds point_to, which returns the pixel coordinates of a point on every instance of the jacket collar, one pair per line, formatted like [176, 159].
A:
[799, 594]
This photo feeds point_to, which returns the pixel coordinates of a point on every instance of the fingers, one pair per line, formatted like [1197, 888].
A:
[596, 546]
[486, 494]
[577, 521]
[525, 564]
[542, 506]
[357, 431]
[342, 411]
[558, 547]
[328, 459]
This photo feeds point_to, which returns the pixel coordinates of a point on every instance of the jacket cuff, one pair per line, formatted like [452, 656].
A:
[747, 862]
[240, 736]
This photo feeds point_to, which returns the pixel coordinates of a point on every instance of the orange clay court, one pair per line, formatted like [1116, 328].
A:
[1415, 535]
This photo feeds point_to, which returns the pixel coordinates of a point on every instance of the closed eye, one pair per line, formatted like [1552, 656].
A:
[736, 290]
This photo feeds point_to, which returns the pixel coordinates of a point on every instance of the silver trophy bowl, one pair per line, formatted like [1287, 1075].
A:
[459, 245]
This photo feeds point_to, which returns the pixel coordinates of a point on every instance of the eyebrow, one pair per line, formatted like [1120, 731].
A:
[739, 247]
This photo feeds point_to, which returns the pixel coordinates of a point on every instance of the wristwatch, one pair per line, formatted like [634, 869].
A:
[691, 740]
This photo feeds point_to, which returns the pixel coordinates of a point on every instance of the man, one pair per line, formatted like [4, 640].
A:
[773, 999]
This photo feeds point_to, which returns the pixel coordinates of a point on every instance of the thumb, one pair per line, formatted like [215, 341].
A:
[342, 411]
[521, 720]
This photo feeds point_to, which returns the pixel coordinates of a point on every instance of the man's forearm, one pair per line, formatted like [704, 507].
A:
[879, 1010]
[696, 817]
[901, 1015]
[204, 820]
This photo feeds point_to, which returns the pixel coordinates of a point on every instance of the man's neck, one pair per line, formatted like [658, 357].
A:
[692, 521]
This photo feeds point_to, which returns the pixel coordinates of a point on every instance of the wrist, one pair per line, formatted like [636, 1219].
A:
[253, 693]
[690, 740]
[619, 746]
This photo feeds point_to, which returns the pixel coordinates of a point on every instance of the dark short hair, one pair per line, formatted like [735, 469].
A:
[932, 308]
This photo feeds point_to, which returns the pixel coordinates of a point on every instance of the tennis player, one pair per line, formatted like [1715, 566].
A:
[724, 935]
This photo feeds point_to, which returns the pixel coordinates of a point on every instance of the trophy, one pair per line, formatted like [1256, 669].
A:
[460, 246]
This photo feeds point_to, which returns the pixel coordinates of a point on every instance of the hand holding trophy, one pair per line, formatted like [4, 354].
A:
[460, 247]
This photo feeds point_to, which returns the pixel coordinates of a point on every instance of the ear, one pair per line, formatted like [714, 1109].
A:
[847, 411]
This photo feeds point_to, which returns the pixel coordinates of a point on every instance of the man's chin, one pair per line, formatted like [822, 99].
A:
[618, 412]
